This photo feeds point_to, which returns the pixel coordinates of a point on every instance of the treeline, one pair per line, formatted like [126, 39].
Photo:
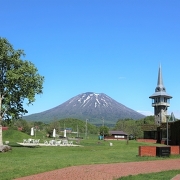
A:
[75, 125]
[133, 127]
[129, 126]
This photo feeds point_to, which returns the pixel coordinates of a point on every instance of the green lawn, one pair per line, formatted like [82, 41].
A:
[23, 161]
[164, 175]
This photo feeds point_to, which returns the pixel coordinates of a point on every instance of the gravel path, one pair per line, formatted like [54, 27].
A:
[106, 171]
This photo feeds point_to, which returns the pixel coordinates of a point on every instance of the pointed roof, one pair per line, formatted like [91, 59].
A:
[160, 80]
[172, 117]
[160, 89]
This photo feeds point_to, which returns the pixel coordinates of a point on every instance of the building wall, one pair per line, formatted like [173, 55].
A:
[175, 133]
[147, 150]
[116, 137]
[151, 150]
[160, 113]
[6, 128]
[150, 135]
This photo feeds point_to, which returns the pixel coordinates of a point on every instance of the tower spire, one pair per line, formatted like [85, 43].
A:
[160, 85]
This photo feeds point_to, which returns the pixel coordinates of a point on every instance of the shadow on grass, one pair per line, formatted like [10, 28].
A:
[18, 145]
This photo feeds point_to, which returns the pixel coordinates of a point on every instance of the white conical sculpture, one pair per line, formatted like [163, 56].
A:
[32, 131]
[65, 133]
[54, 133]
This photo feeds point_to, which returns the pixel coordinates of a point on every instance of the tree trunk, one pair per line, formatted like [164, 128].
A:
[1, 141]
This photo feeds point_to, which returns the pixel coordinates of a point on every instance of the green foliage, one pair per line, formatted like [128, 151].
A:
[148, 120]
[51, 126]
[14, 136]
[19, 81]
[74, 124]
[133, 127]
[164, 175]
[77, 124]
[103, 130]
[39, 125]
[129, 126]
[20, 123]
[25, 125]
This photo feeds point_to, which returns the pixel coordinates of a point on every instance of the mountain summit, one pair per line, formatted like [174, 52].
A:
[92, 106]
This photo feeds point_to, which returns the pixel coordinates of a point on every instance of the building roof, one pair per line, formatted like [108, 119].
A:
[160, 89]
[161, 93]
[118, 132]
[172, 118]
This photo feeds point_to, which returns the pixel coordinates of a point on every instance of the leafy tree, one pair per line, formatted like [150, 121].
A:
[19, 81]
[21, 123]
[104, 130]
[51, 126]
[129, 126]
[39, 125]
[134, 127]
[78, 124]
[148, 120]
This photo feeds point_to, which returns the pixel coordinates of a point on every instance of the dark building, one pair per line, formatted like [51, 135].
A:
[166, 129]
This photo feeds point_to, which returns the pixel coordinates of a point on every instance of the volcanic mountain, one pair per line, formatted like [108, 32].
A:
[92, 106]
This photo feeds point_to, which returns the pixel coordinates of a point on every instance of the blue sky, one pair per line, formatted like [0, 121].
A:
[113, 47]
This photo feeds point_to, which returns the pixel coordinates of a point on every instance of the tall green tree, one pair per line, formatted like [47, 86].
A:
[19, 81]
[103, 130]
[130, 126]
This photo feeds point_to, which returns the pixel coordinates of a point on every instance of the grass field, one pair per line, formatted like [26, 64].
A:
[23, 161]
[165, 175]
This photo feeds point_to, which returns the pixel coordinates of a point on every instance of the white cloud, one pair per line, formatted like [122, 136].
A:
[121, 77]
[146, 113]
[149, 113]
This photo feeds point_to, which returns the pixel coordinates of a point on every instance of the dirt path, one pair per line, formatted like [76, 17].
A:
[106, 171]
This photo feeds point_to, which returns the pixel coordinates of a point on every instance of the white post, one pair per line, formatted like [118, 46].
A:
[86, 129]
[167, 127]
[103, 128]
[77, 131]
[167, 130]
